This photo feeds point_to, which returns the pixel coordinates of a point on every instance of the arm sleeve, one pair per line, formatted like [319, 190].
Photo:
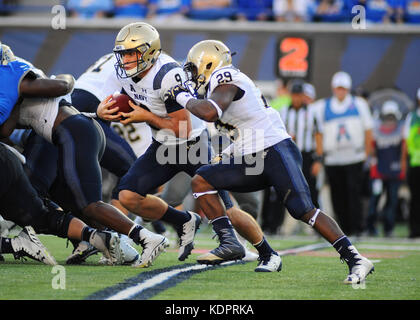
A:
[169, 81]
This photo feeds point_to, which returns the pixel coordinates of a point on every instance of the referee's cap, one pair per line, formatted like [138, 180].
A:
[341, 79]
[391, 107]
[296, 86]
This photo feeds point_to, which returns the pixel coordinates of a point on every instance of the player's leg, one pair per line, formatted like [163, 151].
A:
[176, 189]
[224, 176]
[81, 141]
[145, 176]
[243, 223]
[41, 163]
[118, 155]
[26, 244]
[21, 204]
[290, 184]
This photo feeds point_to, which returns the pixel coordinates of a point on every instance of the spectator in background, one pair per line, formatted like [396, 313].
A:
[395, 11]
[130, 8]
[343, 142]
[167, 8]
[411, 147]
[332, 11]
[282, 98]
[293, 10]
[412, 11]
[387, 168]
[89, 9]
[254, 10]
[211, 9]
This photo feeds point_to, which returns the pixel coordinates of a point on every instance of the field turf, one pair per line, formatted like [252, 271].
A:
[313, 275]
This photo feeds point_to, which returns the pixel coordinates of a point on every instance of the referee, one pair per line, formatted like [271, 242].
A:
[296, 117]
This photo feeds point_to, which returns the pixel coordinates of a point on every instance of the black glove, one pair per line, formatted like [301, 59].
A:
[174, 92]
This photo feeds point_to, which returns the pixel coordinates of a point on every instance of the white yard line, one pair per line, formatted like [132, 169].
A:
[160, 278]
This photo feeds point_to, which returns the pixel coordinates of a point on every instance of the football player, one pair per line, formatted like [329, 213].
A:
[146, 74]
[80, 142]
[233, 101]
[123, 143]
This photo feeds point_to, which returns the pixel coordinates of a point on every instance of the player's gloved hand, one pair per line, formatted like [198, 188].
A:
[216, 159]
[173, 93]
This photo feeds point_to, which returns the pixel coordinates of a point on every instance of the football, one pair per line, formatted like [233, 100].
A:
[122, 102]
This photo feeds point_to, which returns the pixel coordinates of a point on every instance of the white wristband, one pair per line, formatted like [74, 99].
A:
[183, 98]
[219, 111]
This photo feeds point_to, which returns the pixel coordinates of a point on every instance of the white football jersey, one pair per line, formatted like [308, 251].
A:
[40, 113]
[100, 79]
[150, 92]
[250, 123]
[138, 135]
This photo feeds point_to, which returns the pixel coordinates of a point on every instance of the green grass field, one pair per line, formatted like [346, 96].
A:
[305, 276]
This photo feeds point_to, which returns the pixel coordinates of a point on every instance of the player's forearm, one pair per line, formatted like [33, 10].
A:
[202, 109]
[176, 126]
[45, 88]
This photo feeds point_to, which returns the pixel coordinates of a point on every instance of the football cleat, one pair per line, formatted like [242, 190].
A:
[360, 270]
[153, 245]
[109, 244]
[269, 263]
[130, 255]
[27, 244]
[228, 249]
[250, 256]
[81, 253]
[186, 238]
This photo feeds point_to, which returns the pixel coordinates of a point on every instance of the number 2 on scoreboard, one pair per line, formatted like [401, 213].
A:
[293, 59]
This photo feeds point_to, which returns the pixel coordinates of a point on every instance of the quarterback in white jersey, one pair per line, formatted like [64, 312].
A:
[100, 80]
[232, 97]
[149, 92]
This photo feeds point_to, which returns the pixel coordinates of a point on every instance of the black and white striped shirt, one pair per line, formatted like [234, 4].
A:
[301, 126]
